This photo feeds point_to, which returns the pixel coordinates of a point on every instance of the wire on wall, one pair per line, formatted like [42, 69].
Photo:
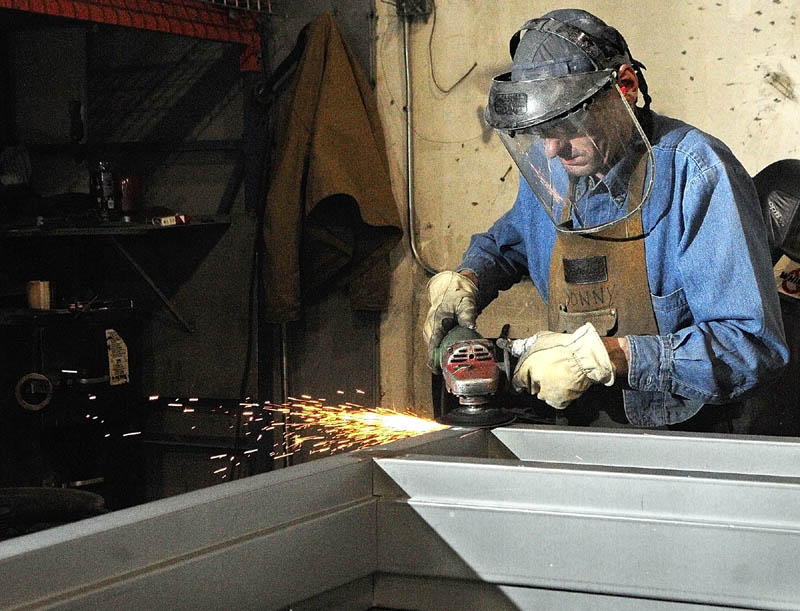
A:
[430, 58]
[410, 11]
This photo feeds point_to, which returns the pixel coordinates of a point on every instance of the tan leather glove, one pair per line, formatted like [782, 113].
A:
[559, 367]
[453, 298]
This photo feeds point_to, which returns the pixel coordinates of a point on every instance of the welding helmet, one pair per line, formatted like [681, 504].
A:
[567, 125]
[778, 187]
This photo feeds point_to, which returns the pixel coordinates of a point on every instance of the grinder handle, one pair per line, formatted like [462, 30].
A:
[504, 344]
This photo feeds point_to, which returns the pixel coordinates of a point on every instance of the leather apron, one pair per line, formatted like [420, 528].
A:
[601, 278]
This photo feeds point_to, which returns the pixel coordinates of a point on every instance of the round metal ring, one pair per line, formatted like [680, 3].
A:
[34, 407]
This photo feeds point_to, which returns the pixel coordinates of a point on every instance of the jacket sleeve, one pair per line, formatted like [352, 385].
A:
[498, 255]
[722, 331]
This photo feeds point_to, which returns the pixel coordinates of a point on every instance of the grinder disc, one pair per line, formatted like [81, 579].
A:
[477, 417]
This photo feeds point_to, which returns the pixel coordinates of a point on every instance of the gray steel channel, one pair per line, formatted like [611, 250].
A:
[718, 537]
[514, 518]
[257, 543]
[440, 594]
[647, 449]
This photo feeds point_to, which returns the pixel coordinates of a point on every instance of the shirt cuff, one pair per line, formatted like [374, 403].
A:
[650, 363]
[486, 289]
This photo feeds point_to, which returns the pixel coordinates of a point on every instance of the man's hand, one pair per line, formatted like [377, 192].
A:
[559, 367]
[454, 301]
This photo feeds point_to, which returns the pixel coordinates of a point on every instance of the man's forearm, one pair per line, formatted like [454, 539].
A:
[619, 351]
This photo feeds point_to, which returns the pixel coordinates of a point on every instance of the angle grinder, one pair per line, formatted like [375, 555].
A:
[472, 372]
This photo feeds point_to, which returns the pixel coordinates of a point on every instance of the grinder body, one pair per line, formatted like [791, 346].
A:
[470, 372]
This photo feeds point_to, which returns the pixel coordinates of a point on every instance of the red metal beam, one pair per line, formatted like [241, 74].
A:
[183, 17]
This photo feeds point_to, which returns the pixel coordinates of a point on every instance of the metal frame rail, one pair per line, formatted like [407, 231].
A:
[513, 518]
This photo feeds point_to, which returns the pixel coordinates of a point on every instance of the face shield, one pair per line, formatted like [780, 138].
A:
[577, 143]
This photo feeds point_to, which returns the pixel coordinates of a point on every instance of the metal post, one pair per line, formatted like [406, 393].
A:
[287, 419]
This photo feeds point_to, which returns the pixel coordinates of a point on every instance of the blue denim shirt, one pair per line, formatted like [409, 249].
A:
[709, 268]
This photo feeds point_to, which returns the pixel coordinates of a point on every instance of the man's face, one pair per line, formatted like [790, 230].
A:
[580, 155]
[599, 140]
[588, 145]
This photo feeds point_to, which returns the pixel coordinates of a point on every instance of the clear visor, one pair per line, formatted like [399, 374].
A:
[590, 168]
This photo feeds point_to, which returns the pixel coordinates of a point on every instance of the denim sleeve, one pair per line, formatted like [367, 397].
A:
[731, 337]
[497, 256]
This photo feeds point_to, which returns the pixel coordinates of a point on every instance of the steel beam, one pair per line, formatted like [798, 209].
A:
[719, 537]
[404, 592]
[514, 518]
[643, 449]
[236, 545]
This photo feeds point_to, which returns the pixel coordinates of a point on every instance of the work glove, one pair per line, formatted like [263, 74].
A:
[559, 367]
[454, 301]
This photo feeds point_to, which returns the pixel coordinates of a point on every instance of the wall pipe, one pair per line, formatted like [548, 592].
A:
[412, 232]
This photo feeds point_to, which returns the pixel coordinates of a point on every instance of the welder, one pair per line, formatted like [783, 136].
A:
[642, 234]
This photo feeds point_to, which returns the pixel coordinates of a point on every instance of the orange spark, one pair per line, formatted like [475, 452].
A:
[349, 426]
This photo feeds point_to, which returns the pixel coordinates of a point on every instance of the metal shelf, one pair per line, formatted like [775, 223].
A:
[10, 317]
[137, 146]
[113, 229]
[192, 18]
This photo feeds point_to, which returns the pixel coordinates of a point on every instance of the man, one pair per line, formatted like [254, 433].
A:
[643, 235]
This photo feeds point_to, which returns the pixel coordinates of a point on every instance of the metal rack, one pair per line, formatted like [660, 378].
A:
[209, 21]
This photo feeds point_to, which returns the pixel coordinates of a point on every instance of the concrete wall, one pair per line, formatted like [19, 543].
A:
[727, 66]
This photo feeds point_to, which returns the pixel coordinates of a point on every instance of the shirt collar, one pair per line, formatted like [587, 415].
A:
[616, 181]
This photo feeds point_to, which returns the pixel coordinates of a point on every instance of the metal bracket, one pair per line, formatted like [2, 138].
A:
[150, 282]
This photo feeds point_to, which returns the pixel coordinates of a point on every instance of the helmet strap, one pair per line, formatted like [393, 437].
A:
[585, 43]
[570, 33]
